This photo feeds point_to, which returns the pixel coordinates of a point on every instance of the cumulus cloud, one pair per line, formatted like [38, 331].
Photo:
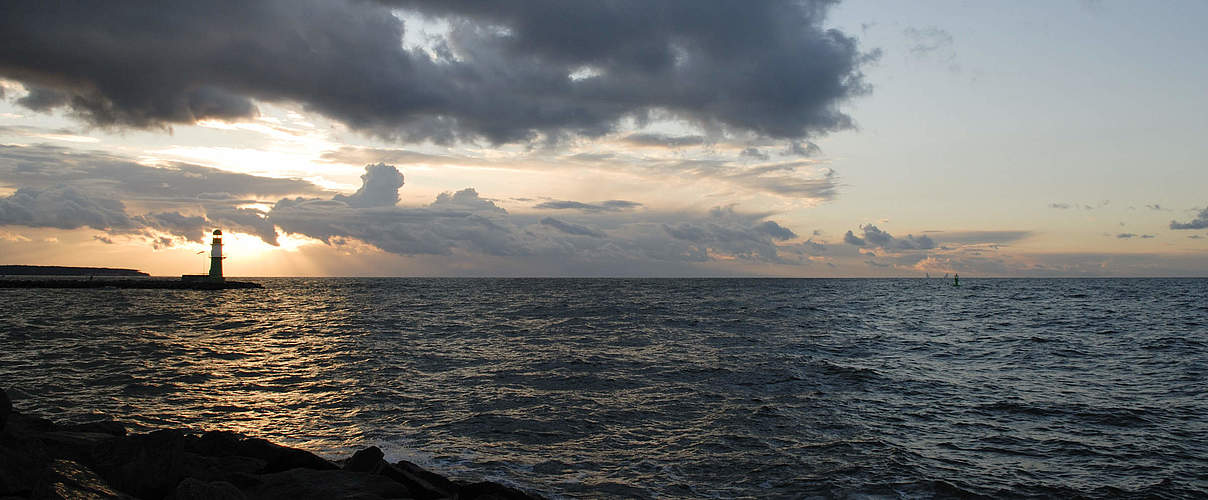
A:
[1199, 222]
[379, 188]
[63, 207]
[504, 72]
[875, 237]
[464, 223]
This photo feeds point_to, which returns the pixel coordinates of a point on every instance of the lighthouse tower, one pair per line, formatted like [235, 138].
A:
[216, 256]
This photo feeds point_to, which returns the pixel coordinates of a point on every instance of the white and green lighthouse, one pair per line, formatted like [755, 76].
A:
[216, 256]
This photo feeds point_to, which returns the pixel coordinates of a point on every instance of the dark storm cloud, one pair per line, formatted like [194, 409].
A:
[1199, 222]
[875, 237]
[503, 72]
[604, 206]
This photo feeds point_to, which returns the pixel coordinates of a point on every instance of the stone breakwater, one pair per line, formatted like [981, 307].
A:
[43, 459]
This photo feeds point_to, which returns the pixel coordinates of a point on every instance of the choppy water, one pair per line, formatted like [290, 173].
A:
[670, 388]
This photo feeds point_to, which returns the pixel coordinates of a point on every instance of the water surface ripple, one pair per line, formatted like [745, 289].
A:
[670, 388]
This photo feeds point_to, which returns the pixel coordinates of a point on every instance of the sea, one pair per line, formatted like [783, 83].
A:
[660, 388]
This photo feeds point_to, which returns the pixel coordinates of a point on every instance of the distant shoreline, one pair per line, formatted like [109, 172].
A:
[23, 270]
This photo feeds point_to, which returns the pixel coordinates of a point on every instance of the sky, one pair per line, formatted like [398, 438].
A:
[621, 138]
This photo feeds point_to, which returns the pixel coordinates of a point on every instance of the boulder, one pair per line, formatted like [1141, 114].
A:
[219, 468]
[308, 483]
[144, 465]
[277, 458]
[366, 460]
[81, 447]
[64, 479]
[487, 490]
[194, 489]
[110, 427]
[424, 485]
[6, 407]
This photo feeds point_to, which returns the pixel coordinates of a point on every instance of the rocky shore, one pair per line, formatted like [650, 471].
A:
[42, 459]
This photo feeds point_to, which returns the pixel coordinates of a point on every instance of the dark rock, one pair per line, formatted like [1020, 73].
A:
[219, 468]
[110, 427]
[144, 465]
[216, 444]
[19, 423]
[277, 458]
[298, 484]
[424, 485]
[366, 460]
[487, 490]
[193, 489]
[64, 479]
[6, 407]
[78, 446]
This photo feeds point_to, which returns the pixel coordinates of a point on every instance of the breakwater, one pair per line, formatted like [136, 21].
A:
[150, 283]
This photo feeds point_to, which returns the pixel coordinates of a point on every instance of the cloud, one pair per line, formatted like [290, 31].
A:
[875, 237]
[68, 189]
[43, 166]
[1060, 206]
[663, 141]
[379, 187]
[604, 206]
[754, 153]
[852, 239]
[574, 229]
[63, 207]
[504, 73]
[244, 220]
[1199, 222]
[463, 223]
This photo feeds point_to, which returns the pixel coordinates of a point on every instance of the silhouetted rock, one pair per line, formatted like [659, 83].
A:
[303, 483]
[82, 447]
[39, 459]
[111, 427]
[6, 407]
[144, 465]
[64, 479]
[193, 489]
[426, 485]
[366, 460]
[487, 490]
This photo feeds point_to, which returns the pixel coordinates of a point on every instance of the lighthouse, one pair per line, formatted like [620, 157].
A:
[216, 256]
